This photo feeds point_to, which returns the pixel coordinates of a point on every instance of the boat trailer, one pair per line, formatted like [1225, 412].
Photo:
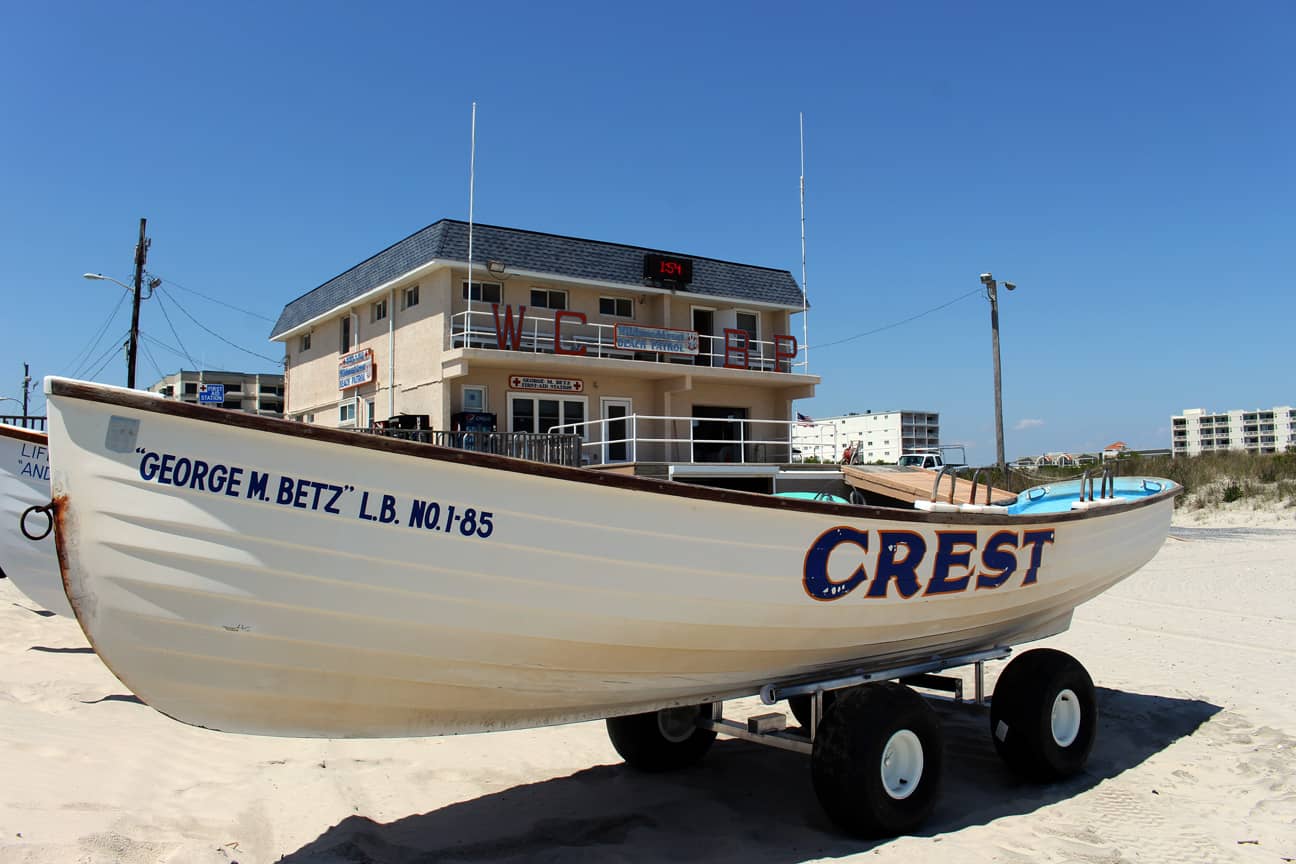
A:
[771, 729]
[875, 745]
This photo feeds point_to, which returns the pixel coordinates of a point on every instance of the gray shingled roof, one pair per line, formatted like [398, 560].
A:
[530, 250]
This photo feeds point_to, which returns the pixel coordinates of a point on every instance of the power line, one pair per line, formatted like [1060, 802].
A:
[179, 341]
[903, 321]
[84, 354]
[153, 360]
[176, 284]
[106, 357]
[158, 342]
[204, 327]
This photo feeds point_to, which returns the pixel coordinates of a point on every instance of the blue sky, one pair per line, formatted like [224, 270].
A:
[1132, 167]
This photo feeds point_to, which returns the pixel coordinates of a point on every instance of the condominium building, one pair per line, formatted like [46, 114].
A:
[1196, 430]
[876, 436]
[254, 392]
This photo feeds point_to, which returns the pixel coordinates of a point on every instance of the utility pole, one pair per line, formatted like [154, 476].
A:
[992, 294]
[26, 386]
[141, 253]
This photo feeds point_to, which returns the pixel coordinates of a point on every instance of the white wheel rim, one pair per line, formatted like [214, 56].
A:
[1065, 718]
[677, 724]
[902, 764]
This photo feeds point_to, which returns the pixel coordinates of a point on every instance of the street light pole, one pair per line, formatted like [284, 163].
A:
[992, 294]
[132, 343]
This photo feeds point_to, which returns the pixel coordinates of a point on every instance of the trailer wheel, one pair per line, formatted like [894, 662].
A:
[876, 762]
[1044, 715]
[661, 740]
[800, 706]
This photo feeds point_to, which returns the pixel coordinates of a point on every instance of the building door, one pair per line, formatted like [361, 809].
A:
[617, 446]
[718, 433]
[704, 324]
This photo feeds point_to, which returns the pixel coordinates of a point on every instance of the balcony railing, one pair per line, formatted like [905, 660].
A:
[702, 440]
[476, 329]
[554, 449]
[23, 421]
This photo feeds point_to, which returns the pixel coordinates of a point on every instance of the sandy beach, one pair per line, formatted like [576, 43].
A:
[1194, 658]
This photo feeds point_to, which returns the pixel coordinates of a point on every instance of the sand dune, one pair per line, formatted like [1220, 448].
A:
[1194, 657]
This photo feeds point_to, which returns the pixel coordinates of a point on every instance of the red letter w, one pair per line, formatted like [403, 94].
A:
[510, 337]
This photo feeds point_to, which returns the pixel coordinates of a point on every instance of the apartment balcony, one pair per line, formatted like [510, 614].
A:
[649, 439]
[641, 352]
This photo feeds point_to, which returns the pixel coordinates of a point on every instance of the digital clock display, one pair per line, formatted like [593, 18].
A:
[664, 268]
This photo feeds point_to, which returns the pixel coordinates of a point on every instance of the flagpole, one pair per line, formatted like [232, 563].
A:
[472, 175]
[805, 303]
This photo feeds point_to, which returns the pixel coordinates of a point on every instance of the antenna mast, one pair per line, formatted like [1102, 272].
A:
[472, 174]
[805, 305]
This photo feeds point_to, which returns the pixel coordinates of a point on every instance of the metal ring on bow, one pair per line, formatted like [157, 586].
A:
[48, 510]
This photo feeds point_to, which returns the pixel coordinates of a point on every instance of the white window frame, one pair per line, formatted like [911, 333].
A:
[482, 286]
[615, 301]
[344, 420]
[377, 311]
[354, 335]
[409, 297]
[305, 343]
[549, 292]
[463, 397]
[755, 337]
[561, 397]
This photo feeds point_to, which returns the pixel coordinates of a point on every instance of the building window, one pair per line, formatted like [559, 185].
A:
[749, 322]
[344, 343]
[409, 297]
[542, 413]
[486, 292]
[347, 412]
[305, 342]
[474, 397]
[616, 307]
[191, 388]
[542, 298]
[378, 311]
[369, 408]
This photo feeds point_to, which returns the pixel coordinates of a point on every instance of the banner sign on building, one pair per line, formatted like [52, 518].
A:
[551, 385]
[661, 339]
[355, 369]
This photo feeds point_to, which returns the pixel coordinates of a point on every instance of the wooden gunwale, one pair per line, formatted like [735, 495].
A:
[31, 436]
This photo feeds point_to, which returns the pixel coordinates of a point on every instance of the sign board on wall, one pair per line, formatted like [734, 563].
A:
[211, 393]
[549, 385]
[668, 269]
[660, 339]
[355, 369]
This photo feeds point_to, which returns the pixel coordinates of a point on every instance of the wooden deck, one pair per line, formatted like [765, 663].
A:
[915, 484]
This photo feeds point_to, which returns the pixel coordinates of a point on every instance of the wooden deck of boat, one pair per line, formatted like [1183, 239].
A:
[915, 484]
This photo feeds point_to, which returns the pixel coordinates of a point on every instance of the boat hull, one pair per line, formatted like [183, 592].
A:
[321, 595]
[24, 482]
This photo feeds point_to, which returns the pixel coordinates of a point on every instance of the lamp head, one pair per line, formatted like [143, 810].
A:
[986, 278]
[93, 276]
[1011, 286]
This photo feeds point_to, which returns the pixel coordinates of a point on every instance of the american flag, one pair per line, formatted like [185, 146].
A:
[803, 420]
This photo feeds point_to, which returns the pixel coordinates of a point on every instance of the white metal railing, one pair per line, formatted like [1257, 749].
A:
[653, 438]
[476, 329]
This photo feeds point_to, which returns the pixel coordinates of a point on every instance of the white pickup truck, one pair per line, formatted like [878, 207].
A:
[933, 461]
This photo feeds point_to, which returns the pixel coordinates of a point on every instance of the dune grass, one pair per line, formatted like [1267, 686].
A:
[1209, 480]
